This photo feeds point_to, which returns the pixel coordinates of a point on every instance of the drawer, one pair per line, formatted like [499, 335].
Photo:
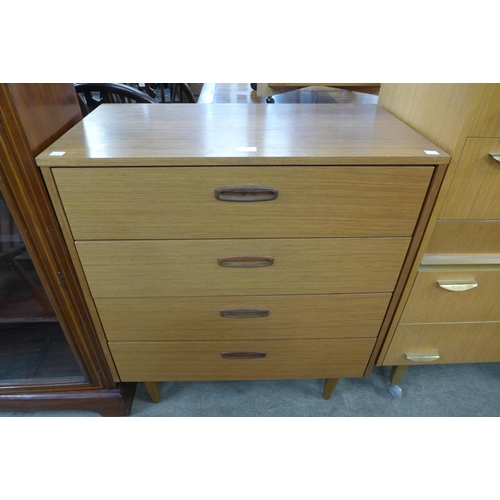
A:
[473, 193]
[486, 121]
[453, 343]
[206, 267]
[284, 359]
[465, 237]
[238, 318]
[431, 303]
[180, 202]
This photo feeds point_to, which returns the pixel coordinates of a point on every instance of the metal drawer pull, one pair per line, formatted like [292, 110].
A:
[458, 285]
[246, 193]
[244, 313]
[246, 261]
[422, 357]
[495, 156]
[244, 354]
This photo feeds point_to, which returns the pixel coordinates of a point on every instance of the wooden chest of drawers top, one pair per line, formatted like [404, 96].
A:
[235, 134]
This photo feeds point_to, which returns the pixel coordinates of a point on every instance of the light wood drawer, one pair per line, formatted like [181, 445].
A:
[243, 318]
[191, 268]
[179, 203]
[431, 303]
[453, 343]
[473, 193]
[486, 120]
[465, 237]
[284, 359]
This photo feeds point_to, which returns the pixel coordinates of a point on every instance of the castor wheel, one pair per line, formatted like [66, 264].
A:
[395, 391]
[253, 86]
[270, 100]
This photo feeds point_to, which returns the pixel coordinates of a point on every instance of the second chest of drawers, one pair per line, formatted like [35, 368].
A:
[451, 315]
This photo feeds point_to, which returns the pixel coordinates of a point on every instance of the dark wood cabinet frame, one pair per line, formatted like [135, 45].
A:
[32, 116]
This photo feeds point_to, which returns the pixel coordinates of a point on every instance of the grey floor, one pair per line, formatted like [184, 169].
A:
[428, 391]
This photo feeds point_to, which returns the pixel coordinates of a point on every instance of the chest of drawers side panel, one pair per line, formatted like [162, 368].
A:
[68, 237]
[409, 270]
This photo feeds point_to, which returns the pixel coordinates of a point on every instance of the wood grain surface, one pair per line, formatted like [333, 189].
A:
[439, 111]
[285, 359]
[190, 267]
[180, 203]
[486, 117]
[473, 193]
[454, 342]
[47, 110]
[231, 134]
[466, 237]
[199, 318]
[429, 303]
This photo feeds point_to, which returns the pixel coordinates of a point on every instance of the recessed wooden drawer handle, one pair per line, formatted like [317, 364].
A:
[244, 313]
[246, 193]
[422, 357]
[244, 355]
[495, 156]
[457, 285]
[246, 261]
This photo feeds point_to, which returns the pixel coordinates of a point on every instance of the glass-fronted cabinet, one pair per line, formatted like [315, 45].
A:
[33, 346]
[51, 353]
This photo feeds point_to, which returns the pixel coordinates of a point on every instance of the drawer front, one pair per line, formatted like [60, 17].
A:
[453, 343]
[486, 121]
[209, 267]
[284, 359]
[454, 296]
[473, 193]
[243, 318]
[465, 237]
[180, 203]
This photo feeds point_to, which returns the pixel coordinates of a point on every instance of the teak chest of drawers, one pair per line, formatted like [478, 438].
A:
[232, 242]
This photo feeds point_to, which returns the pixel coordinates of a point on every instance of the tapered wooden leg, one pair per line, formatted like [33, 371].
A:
[153, 389]
[397, 374]
[330, 384]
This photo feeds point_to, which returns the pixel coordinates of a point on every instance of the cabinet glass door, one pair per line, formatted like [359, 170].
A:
[33, 347]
